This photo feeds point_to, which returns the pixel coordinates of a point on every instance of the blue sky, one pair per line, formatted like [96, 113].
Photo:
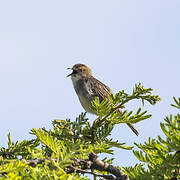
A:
[124, 42]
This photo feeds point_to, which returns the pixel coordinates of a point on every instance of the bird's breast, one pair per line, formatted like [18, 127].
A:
[82, 91]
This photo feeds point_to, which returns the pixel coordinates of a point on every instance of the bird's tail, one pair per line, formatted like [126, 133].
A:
[130, 125]
[133, 129]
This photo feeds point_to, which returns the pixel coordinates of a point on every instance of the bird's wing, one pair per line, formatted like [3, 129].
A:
[97, 88]
[102, 91]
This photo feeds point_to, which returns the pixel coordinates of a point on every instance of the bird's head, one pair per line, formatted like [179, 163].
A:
[80, 71]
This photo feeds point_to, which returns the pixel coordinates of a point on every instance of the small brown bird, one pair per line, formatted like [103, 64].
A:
[87, 88]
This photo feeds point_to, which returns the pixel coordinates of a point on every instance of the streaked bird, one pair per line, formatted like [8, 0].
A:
[87, 88]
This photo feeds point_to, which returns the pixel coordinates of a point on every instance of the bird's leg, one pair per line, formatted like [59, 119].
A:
[93, 127]
[95, 122]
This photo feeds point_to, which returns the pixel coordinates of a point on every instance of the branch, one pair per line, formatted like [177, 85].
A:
[78, 170]
[83, 166]
[94, 163]
[138, 93]
[34, 162]
[103, 166]
[100, 121]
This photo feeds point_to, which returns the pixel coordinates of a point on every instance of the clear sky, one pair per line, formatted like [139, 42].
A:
[124, 42]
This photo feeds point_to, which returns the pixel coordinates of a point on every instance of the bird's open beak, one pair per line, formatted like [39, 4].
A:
[71, 73]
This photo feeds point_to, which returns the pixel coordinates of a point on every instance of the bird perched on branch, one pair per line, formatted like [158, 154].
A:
[87, 88]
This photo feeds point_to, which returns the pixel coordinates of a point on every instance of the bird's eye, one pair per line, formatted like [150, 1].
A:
[82, 70]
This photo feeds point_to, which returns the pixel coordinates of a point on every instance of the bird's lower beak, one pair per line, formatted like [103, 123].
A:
[71, 73]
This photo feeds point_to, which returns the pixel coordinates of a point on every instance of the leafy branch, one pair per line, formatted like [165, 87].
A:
[162, 156]
[68, 150]
[109, 109]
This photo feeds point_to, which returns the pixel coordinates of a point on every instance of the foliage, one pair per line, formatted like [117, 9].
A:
[161, 157]
[70, 149]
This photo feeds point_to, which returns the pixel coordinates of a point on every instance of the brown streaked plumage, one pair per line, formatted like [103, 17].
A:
[87, 88]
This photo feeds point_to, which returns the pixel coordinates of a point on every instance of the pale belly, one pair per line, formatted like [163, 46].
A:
[86, 104]
[82, 92]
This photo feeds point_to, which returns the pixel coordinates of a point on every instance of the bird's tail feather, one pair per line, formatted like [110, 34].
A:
[133, 129]
[130, 125]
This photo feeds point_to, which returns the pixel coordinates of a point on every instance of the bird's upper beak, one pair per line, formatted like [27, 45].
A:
[71, 73]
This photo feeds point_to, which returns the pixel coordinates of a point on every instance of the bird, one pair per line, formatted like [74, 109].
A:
[87, 87]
